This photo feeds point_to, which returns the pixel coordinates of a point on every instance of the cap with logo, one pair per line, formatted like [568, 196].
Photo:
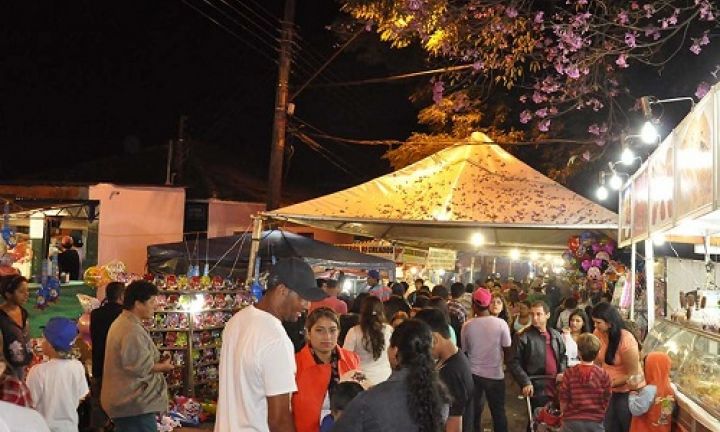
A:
[298, 276]
[61, 333]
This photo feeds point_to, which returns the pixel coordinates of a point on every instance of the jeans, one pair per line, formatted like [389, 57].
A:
[138, 423]
[494, 391]
[618, 416]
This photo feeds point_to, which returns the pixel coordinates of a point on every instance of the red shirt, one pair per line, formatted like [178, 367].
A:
[14, 391]
[339, 306]
[585, 393]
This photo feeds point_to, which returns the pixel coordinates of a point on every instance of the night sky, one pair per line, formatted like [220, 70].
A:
[86, 84]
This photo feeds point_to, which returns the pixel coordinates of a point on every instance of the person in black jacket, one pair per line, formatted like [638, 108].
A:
[529, 356]
[69, 259]
[100, 321]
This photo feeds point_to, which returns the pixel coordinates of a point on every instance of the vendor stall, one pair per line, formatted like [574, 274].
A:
[674, 197]
[472, 197]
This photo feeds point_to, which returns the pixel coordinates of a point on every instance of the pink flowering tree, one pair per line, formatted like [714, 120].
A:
[557, 60]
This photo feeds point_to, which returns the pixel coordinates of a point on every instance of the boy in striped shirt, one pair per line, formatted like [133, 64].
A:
[585, 390]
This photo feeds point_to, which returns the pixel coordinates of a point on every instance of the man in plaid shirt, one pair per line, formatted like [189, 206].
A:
[13, 390]
[458, 313]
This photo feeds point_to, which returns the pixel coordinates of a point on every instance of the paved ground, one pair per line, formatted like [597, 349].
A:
[515, 408]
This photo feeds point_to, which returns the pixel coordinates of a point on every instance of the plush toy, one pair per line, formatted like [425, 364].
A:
[205, 282]
[195, 282]
[220, 301]
[160, 282]
[182, 282]
[182, 340]
[170, 339]
[171, 282]
[167, 424]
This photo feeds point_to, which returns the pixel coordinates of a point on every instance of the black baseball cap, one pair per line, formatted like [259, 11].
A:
[298, 276]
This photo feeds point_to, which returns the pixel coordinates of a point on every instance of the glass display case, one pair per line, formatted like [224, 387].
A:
[695, 358]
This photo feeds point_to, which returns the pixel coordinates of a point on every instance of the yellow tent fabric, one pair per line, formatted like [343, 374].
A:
[444, 198]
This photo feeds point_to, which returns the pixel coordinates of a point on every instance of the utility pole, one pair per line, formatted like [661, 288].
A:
[179, 153]
[277, 151]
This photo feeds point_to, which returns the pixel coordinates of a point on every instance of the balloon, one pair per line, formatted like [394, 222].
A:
[587, 238]
[586, 264]
[597, 247]
[88, 303]
[596, 263]
[84, 327]
[573, 243]
[602, 255]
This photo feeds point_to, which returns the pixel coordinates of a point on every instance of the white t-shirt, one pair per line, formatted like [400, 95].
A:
[56, 388]
[571, 349]
[256, 361]
[15, 418]
[378, 370]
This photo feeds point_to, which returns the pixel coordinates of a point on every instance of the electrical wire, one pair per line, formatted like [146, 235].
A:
[228, 16]
[250, 20]
[399, 77]
[272, 23]
[392, 142]
[216, 22]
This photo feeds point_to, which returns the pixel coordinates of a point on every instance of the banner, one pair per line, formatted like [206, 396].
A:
[441, 259]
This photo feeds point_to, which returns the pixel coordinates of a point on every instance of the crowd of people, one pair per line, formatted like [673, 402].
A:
[396, 358]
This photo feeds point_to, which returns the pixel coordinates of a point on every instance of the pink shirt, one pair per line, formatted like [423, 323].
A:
[339, 306]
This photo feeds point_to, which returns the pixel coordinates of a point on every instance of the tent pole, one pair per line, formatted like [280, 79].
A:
[632, 281]
[254, 248]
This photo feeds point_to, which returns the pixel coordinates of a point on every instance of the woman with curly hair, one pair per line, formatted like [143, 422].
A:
[370, 340]
[412, 399]
[499, 308]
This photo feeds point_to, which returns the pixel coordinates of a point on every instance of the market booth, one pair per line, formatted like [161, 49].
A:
[466, 192]
[675, 197]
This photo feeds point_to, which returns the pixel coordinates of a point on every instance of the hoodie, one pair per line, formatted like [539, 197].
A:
[658, 418]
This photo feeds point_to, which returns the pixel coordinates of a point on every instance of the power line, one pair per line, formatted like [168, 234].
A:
[252, 11]
[398, 77]
[392, 142]
[262, 8]
[327, 62]
[216, 22]
[226, 15]
[261, 28]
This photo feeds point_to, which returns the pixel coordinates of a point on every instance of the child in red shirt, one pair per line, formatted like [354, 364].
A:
[585, 390]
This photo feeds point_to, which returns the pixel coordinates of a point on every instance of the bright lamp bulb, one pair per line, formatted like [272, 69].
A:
[658, 239]
[515, 254]
[627, 157]
[477, 239]
[648, 133]
[615, 182]
[602, 193]
[534, 255]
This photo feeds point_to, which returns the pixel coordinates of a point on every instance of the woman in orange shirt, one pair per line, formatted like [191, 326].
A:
[320, 364]
[620, 356]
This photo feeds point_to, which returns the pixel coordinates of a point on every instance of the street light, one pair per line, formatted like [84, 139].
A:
[615, 181]
[627, 157]
[477, 239]
[602, 192]
[515, 254]
[658, 239]
[649, 133]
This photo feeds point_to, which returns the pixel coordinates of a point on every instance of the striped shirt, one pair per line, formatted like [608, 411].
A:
[585, 393]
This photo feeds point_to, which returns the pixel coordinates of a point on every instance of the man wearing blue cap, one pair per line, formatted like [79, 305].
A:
[377, 289]
[58, 385]
[257, 360]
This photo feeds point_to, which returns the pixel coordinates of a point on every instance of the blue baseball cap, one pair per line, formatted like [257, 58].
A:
[374, 274]
[61, 333]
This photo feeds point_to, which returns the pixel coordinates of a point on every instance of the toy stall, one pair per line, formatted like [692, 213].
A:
[674, 200]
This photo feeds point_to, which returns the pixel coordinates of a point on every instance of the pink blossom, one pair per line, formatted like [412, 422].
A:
[511, 12]
[622, 61]
[572, 72]
[369, 26]
[702, 89]
[594, 129]
[623, 17]
[478, 65]
[538, 97]
[553, 111]
[540, 17]
[559, 68]
[586, 155]
[630, 39]
[705, 10]
[523, 99]
[634, 5]
[652, 31]
[542, 112]
[704, 40]
[525, 116]
[414, 5]
[695, 48]
[649, 10]
[544, 125]
[673, 18]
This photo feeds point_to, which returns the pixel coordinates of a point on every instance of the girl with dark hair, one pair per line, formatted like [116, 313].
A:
[577, 325]
[498, 307]
[14, 325]
[412, 400]
[320, 364]
[370, 339]
[619, 356]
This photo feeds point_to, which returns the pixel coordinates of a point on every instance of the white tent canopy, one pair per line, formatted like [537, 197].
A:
[444, 198]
